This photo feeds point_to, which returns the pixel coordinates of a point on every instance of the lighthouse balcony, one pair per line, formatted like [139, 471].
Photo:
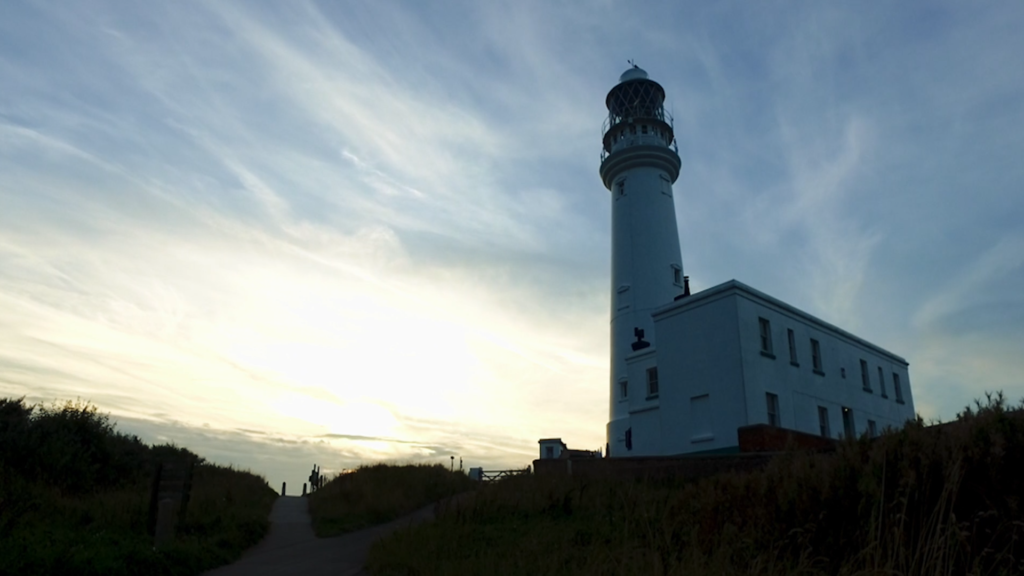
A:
[639, 132]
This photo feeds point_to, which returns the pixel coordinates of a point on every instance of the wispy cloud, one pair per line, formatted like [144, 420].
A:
[308, 230]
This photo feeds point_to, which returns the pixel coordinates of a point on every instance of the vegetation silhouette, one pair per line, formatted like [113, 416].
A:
[75, 495]
[378, 493]
[921, 500]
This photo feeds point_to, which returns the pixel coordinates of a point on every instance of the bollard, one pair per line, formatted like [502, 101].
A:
[303, 488]
[284, 485]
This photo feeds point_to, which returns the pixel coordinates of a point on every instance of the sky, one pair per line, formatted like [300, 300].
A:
[287, 233]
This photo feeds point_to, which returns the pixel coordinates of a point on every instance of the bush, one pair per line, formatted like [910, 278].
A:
[74, 499]
[379, 493]
[920, 500]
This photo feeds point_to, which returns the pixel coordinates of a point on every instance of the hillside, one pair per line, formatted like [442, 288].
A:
[75, 499]
[922, 500]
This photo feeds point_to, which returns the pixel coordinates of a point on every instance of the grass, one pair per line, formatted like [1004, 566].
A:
[379, 493]
[924, 500]
[74, 499]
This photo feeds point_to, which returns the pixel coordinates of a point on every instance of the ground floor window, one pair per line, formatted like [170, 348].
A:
[823, 422]
[773, 409]
[849, 429]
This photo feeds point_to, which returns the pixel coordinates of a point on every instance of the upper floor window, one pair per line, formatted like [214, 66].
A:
[792, 347]
[823, 426]
[872, 428]
[652, 381]
[766, 336]
[881, 382]
[623, 388]
[897, 388]
[773, 409]
[816, 356]
[865, 380]
[677, 275]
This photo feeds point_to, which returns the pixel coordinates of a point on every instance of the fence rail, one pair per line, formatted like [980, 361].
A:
[492, 475]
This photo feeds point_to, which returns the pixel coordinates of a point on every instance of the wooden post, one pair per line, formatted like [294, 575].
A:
[165, 520]
[154, 492]
[186, 489]
[284, 485]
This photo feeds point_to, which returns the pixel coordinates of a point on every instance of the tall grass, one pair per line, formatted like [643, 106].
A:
[74, 499]
[379, 493]
[919, 501]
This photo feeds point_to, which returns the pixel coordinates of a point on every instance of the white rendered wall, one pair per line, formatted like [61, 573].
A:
[701, 379]
[713, 377]
[801, 390]
[645, 261]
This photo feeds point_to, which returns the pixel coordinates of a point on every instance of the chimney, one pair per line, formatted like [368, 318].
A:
[686, 285]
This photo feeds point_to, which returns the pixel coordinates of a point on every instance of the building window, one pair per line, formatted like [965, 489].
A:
[643, 129]
[872, 428]
[881, 382]
[849, 429]
[632, 129]
[652, 382]
[677, 275]
[865, 380]
[816, 356]
[766, 337]
[896, 388]
[826, 432]
[792, 347]
[623, 388]
[549, 452]
[666, 186]
[773, 409]
[842, 373]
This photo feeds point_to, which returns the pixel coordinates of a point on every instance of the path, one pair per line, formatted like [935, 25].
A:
[292, 548]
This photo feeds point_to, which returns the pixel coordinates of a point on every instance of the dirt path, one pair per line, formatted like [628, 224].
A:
[291, 547]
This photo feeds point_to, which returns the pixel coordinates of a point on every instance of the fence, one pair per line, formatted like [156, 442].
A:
[492, 475]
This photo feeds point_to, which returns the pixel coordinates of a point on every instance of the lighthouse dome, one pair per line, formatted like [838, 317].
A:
[634, 73]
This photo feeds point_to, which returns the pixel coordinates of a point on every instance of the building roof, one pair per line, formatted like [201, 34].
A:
[740, 289]
[559, 440]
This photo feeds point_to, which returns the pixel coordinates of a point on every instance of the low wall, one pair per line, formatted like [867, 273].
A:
[653, 467]
[758, 444]
[765, 438]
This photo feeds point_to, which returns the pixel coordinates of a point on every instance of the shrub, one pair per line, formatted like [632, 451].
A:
[379, 493]
[920, 500]
[74, 499]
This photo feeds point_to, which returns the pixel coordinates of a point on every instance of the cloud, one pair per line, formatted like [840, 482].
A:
[298, 231]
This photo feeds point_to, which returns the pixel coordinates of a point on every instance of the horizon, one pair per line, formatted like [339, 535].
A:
[281, 235]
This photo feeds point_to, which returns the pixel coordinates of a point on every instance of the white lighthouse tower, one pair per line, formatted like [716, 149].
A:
[639, 167]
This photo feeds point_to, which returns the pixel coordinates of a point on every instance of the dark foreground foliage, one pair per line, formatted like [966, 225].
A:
[74, 499]
[923, 500]
[379, 493]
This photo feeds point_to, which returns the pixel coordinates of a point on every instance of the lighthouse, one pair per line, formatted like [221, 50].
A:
[638, 166]
[692, 374]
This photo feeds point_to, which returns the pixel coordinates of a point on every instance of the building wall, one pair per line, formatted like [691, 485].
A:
[713, 377]
[800, 389]
[701, 379]
[645, 255]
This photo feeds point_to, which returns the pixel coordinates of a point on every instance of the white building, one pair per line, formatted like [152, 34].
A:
[688, 370]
